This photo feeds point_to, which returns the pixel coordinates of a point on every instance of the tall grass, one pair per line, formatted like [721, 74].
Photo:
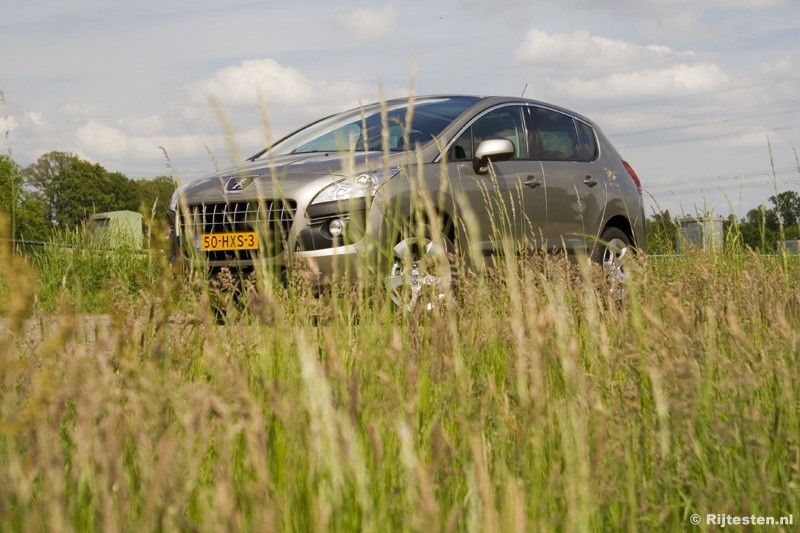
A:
[533, 400]
[79, 267]
[535, 403]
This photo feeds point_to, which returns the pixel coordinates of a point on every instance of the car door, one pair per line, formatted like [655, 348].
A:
[508, 200]
[576, 187]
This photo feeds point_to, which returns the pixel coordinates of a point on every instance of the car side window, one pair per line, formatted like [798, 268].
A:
[587, 148]
[502, 123]
[553, 136]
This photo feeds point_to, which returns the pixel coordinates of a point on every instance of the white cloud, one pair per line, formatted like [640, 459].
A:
[651, 83]
[291, 97]
[36, 118]
[583, 52]
[80, 112]
[104, 141]
[591, 67]
[781, 68]
[755, 137]
[150, 125]
[8, 124]
[746, 4]
[279, 85]
[625, 7]
[242, 84]
[711, 21]
[370, 24]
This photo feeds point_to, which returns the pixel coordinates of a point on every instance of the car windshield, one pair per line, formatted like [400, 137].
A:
[360, 130]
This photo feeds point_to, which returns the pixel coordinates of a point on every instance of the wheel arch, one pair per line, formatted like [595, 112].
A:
[405, 210]
[445, 219]
[623, 224]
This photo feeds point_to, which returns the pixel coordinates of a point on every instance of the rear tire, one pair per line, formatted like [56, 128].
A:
[613, 251]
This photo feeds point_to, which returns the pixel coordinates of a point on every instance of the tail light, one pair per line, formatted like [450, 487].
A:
[633, 176]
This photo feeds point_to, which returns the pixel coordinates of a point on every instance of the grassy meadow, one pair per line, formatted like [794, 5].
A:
[531, 402]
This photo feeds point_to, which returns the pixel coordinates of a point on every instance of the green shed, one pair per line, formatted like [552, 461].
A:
[119, 229]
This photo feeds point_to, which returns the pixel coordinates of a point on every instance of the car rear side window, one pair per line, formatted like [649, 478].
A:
[503, 123]
[587, 150]
[553, 136]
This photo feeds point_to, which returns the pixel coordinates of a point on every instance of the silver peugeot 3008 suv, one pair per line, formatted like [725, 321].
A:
[339, 196]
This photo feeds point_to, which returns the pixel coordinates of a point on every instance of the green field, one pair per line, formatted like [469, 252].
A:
[531, 402]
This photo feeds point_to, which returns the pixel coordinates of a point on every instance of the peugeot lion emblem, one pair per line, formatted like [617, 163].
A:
[238, 183]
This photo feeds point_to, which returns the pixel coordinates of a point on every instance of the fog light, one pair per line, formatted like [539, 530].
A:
[336, 227]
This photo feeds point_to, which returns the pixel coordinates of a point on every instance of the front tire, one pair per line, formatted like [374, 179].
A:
[422, 272]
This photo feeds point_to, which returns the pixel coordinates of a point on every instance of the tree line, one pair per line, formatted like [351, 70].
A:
[60, 191]
[762, 229]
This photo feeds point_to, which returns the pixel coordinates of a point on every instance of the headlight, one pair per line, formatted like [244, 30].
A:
[362, 186]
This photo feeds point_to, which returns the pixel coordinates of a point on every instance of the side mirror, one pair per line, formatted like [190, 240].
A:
[492, 150]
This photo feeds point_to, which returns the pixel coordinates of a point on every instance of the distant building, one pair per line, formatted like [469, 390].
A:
[119, 229]
[704, 233]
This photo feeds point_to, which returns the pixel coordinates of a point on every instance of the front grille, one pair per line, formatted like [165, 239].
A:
[271, 219]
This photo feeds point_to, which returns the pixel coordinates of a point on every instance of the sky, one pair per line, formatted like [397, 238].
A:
[701, 97]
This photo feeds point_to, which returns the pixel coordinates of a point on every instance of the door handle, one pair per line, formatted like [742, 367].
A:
[533, 182]
[589, 180]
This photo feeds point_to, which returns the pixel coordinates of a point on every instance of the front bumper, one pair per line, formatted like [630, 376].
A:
[308, 248]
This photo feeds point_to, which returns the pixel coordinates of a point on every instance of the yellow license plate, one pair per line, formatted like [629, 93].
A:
[221, 242]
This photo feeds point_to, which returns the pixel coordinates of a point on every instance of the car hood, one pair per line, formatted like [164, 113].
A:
[291, 176]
